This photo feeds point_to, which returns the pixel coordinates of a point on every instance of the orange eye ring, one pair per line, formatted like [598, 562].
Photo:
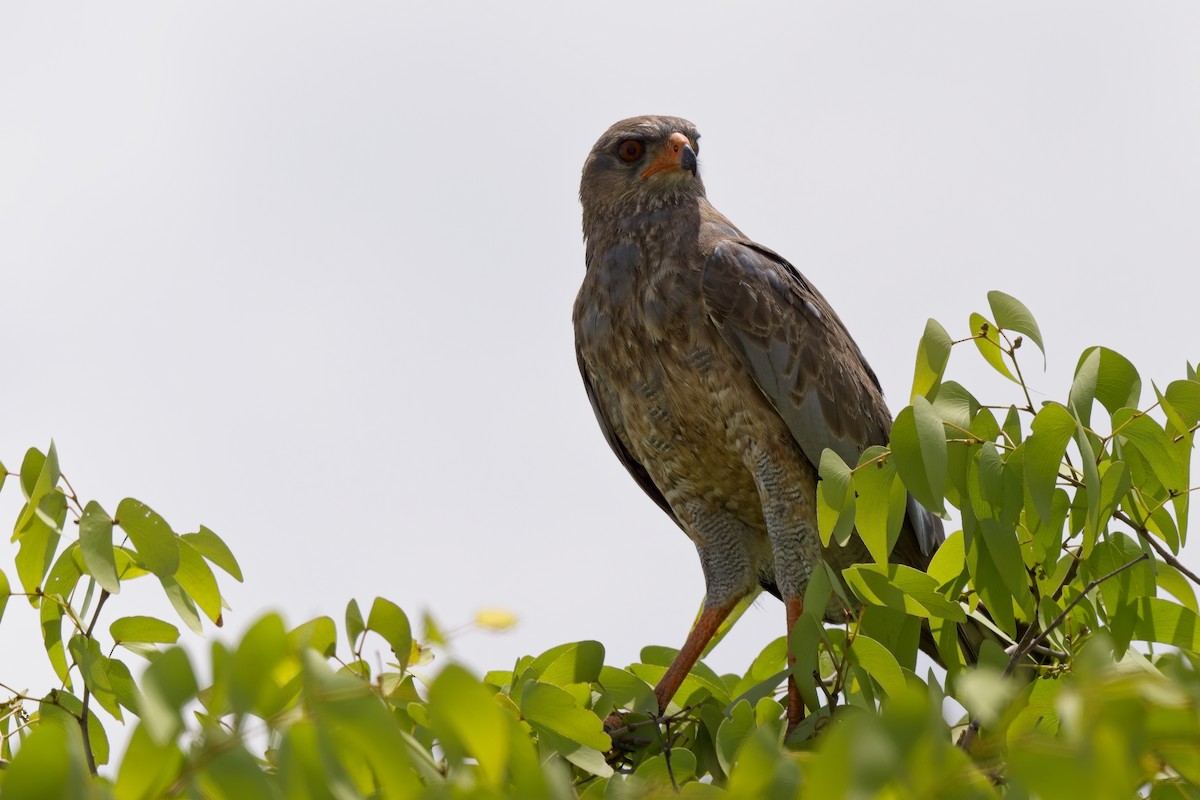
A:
[631, 150]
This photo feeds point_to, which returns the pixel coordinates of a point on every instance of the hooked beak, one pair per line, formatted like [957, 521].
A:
[676, 155]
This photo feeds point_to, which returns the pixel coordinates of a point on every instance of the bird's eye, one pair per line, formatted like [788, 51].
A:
[631, 149]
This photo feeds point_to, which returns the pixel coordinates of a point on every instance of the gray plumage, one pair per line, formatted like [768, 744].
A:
[717, 372]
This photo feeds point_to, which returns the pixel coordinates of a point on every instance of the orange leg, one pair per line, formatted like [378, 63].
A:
[710, 619]
[795, 705]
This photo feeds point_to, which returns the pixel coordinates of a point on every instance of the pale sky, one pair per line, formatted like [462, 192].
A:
[303, 272]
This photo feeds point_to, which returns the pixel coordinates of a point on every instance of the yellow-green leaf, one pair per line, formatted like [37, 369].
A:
[987, 339]
[96, 544]
[933, 353]
[155, 542]
[143, 629]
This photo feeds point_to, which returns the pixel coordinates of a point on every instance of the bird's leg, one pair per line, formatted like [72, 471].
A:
[787, 487]
[698, 638]
[795, 705]
[720, 541]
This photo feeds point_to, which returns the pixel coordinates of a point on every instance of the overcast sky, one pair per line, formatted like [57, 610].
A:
[303, 272]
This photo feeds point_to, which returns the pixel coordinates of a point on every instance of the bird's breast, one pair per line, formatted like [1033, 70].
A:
[671, 389]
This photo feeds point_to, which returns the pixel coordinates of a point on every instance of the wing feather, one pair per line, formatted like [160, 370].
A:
[804, 360]
[635, 467]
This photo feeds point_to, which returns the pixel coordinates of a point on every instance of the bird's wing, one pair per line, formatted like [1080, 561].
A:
[797, 350]
[623, 455]
[803, 359]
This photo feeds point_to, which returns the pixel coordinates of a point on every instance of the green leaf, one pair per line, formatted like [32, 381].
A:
[949, 561]
[1011, 315]
[1168, 623]
[733, 732]
[1093, 488]
[1184, 397]
[306, 759]
[985, 481]
[51, 617]
[252, 685]
[881, 503]
[320, 634]
[769, 666]
[64, 710]
[65, 574]
[657, 770]
[985, 693]
[231, 771]
[987, 339]
[39, 543]
[1053, 428]
[1083, 387]
[123, 686]
[96, 544]
[143, 629]
[588, 759]
[93, 666]
[547, 707]
[182, 603]
[933, 353]
[835, 499]
[39, 477]
[354, 623]
[919, 451]
[389, 621]
[168, 684]
[955, 405]
[155, 542]
[989, 581]
[628, 690]
[1144, 434]
[1107, 376]
[149, 767]
[901, 588]
[1114, 484]
[209, 545]
[1131, 583]
[1012, 426]
[358, 722]
[469, 723]
[50, 765]
[1172, 580]
[197, 579]
[5, 592]
[575, 662]
[879, 663]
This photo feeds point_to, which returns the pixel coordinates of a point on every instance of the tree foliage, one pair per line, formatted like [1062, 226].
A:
[1073, 513]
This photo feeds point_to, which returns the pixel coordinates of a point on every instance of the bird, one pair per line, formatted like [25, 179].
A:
[718, 375]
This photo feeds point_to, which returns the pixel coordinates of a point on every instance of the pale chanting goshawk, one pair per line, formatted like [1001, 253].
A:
[719, 375]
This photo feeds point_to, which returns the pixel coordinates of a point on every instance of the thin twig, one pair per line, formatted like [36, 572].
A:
[1012, 355]
[1032, 639]
[87, 695]
[1163, 552]
[1023, 651]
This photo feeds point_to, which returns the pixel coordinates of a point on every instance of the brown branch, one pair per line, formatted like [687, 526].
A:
[1163, 552]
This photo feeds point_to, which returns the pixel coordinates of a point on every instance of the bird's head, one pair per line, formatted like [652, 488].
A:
[638, 166]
